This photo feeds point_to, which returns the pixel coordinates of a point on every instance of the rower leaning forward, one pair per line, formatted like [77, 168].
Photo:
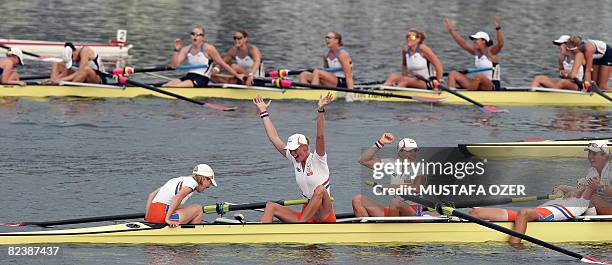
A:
[311, 170]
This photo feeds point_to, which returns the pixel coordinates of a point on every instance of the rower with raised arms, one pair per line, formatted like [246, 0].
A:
[197, 53]
[338, 63]
[8, 75]
[311, 170]
[486, 54]
[598, 57]
[248, 60]
[571, 69]
[78, 65]
[407, 149]
[417, 59]
[165, 204]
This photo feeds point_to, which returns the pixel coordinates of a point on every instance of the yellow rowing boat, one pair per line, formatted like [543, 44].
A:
[328, 233]
[547, 149]
[515, 97]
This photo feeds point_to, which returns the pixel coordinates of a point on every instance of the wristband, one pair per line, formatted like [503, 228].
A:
[176, 50]
[320, 110]
[497, 28]
[264, 114]
[379, 144]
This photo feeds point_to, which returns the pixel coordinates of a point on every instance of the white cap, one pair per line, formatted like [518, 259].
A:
[206, 171]
[598, 146]
[67, 56]
[561, 40]
[480, 35]
[296, 141]
[17, 52]
[407, 144]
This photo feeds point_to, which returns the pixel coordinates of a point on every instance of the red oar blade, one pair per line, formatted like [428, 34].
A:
[588, 259]
[12, 224]
[219, 107]
[493, 109]
[428, 99]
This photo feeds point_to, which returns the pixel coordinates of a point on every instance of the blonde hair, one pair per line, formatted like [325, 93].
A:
[200, 27]
[199, 178]
[574, 41]
[421, 35]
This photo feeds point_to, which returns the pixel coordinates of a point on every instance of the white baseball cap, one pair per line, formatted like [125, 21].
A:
[296, 141]
[598, 146]
[206, 171]
[17, 52]
[480, 35]
[407, 144]
[561, 40]
[67, 56]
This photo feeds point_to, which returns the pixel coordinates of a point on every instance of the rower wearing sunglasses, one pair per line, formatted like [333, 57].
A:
[248, 60]
[598, 57]
[407, 149]
[197, 53]
[417, 60]
[338, 63]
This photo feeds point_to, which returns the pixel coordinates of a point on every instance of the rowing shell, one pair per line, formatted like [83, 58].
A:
[548, 149]
[334, 233]
[515, 97]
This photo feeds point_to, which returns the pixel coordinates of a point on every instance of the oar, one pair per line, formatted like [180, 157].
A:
[218, 208]
[35, 77]
[158, 90]
[43, 58]
[157, 68]
[464, 71]
[499, 201]
[482, 107]
[447, 210]
[289, 83]
[595, 88]
[222, 208]
[285, 72]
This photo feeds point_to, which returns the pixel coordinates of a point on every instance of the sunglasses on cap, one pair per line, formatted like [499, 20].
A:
[329, 37]
[411, 150]
[196, 34]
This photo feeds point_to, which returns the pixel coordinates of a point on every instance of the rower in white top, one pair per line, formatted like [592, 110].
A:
[248, 60]
[78, 65]
[197, 53]
[8, 75]
[311, 170]
[571, 69]
[486, 55]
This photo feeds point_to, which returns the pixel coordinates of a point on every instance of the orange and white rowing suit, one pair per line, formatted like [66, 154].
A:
[404, 177]
[558, 210]
[163, 199]
[314, 173]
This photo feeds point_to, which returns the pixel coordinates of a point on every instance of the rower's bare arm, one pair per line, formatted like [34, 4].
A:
[588, 57]
[176, 201]
[323, 101]
[86, 55]
[256, 59]
[214, 54]
[368, 157]
[231, 53]
[404, 67]
[578, 62]
[345, 61]
[496, 48]
[433, 58]
[262, 106]
[451, 29]
[150, 199]
[178, 56]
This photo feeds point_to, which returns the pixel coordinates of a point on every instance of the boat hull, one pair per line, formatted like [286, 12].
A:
[50, 48]
[331, 233]
[542, 149]
[492, 98]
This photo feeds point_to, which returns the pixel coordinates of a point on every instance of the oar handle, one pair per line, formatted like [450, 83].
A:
[286, 72]
[222, 208]
[86, 220]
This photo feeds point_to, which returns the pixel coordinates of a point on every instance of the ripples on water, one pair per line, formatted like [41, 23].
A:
[64, 158]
